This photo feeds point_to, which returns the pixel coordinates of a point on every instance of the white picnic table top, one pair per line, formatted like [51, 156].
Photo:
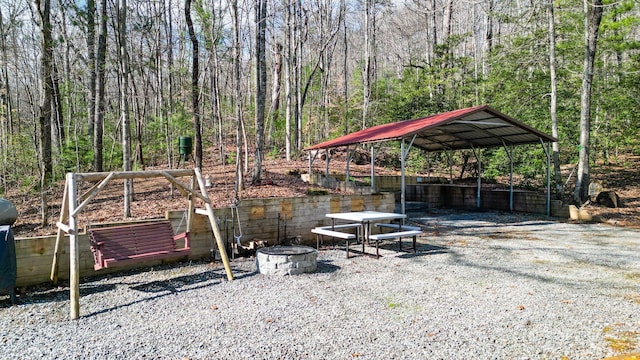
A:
[366, 216]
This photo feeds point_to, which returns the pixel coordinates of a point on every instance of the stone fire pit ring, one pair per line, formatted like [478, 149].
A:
[287, 260]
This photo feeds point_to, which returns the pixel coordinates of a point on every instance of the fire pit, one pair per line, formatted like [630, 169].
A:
[286, 260]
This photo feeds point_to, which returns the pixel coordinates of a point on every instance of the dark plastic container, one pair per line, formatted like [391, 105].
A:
[8, 269]
[185, 145]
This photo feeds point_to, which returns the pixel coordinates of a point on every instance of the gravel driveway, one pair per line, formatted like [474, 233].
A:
[482, 286]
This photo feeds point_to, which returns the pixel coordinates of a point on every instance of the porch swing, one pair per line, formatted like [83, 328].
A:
[130, 244]
[127, 244]
[122, 245]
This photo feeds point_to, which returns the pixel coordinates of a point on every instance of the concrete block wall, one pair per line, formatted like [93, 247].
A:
[258, 219]
[465, 197]
[262, 219]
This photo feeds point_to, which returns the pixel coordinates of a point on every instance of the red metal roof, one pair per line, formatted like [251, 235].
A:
[474, 127]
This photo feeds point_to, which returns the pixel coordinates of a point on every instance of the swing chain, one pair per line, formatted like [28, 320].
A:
[184, 216]
[234, 207]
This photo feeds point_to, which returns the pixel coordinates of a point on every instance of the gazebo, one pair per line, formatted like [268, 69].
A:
[469, 128]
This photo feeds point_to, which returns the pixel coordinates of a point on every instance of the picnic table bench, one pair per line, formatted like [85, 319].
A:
[127, 244]
[331, 231]
[400, 231]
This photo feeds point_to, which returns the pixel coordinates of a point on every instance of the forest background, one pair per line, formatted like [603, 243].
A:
[97, 85]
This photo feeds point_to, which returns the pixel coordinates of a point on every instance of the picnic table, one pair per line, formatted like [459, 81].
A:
[364, 220]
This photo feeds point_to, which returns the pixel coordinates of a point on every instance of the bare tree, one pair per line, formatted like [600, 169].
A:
[488, 37]
[195, 88]
[554, 96]
[322, 18]
[214, 78]
[239, 184]
[367, 69]
[91, 64]
[447, 21]
[261, 85]
[5, 103]
[593, 16]
[345, 70]
[101, 60]
[43, 9]
[275, 91]
[288, 82]
[297, 65]
[57, 115]
[123, 74]
[170, 82]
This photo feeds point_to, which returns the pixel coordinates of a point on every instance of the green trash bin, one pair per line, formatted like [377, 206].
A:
[185, 146]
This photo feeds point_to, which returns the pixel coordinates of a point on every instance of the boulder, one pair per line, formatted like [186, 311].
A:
[609, 199]
[594, 189]
[8, 212]
[579, 214]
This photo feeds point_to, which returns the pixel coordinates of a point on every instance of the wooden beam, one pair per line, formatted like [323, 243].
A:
[74, 254]
[117, 175]
[65, 228]
[93, 194]
[88, 192]
[184, 189]
[64, 212]
[214, 226]
[200, 211]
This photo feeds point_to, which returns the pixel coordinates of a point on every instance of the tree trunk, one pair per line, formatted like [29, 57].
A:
[488, 38]
[160, 70]
[554, 99]
[287, 82]
[91, 63]
[195, 88]
[434, 25]
[57, 112]
[124, 103]
[139, 114]
[239, 184]
[216, 103]
[261, 85]
[297, 77]
[170, 85]
[214, 78]
[5, 105]
[275, 92]
[345, 71]
[44, 118]
[447, 22]
[366, 76]
[98, 130]
[593, 16]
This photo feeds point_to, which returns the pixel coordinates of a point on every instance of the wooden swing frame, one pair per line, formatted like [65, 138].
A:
[70, 210]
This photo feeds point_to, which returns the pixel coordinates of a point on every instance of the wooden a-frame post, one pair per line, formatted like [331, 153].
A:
[70, 210]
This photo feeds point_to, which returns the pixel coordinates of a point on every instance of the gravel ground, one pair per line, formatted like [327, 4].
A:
[482, 286]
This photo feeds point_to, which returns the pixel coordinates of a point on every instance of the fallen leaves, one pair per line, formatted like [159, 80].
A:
[620, 339]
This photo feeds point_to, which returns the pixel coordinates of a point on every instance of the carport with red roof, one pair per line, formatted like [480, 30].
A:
[472, 128]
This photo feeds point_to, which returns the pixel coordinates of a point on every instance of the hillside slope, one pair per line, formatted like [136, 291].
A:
[281, 179]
